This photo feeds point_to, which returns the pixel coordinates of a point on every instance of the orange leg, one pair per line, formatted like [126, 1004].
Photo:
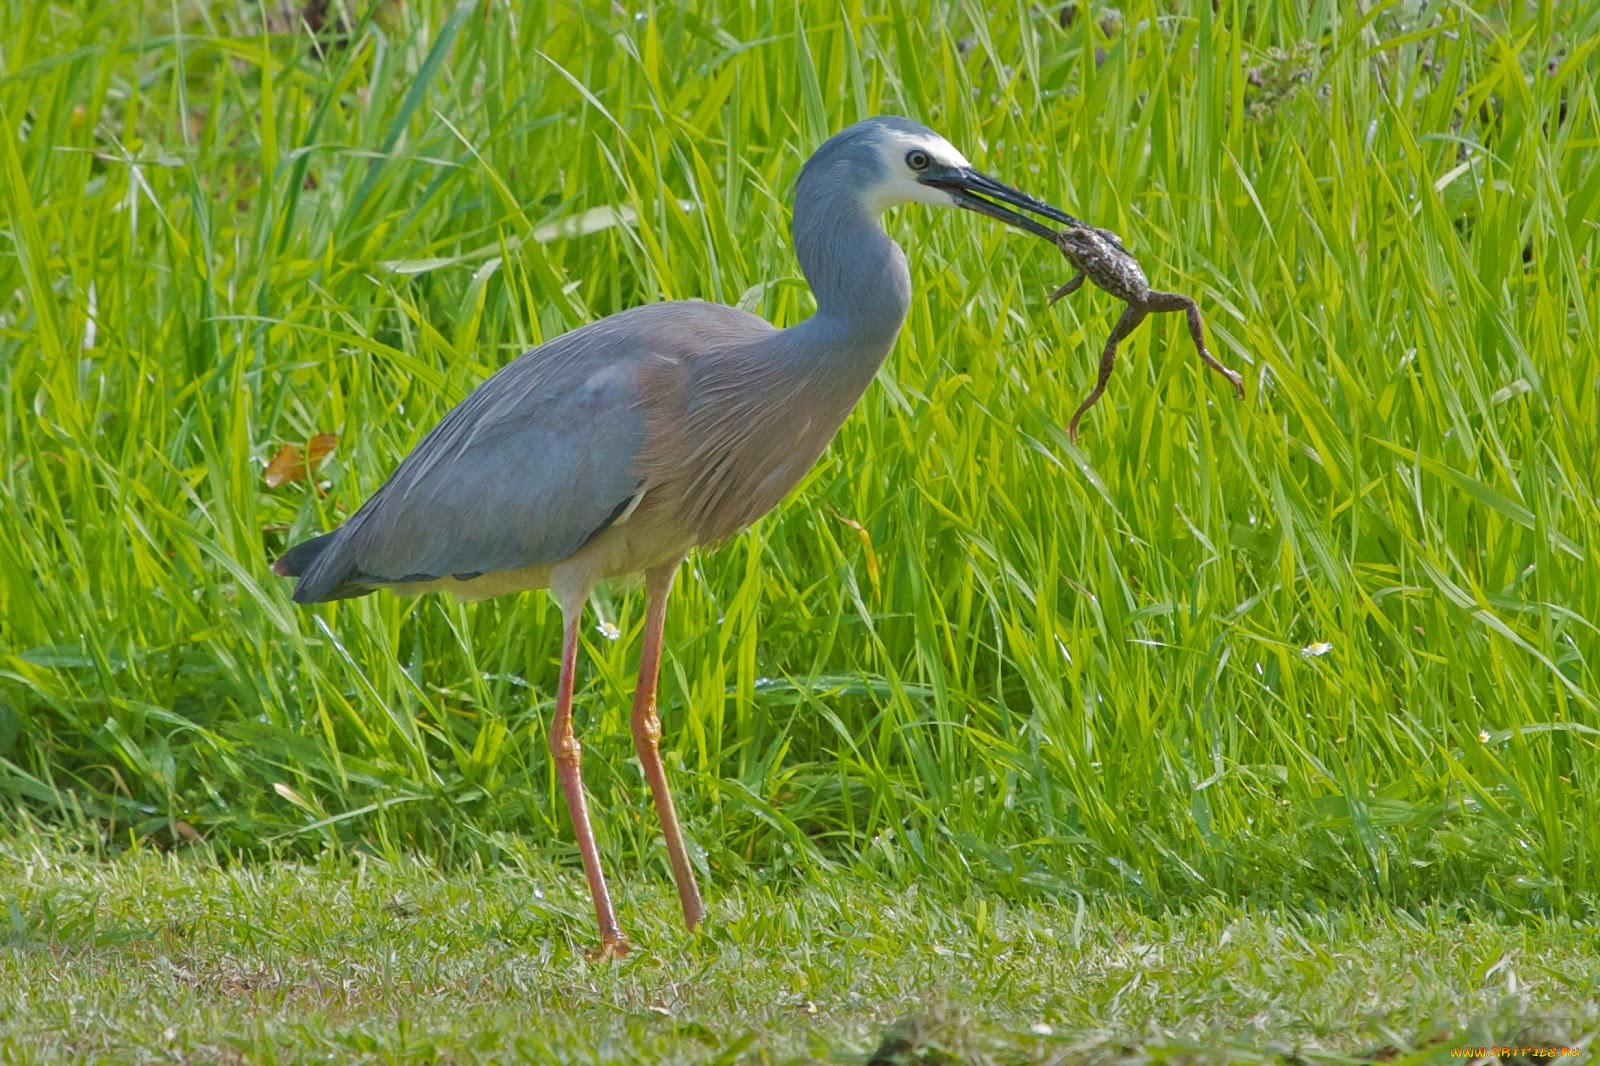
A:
[568, 755]
[647, 740]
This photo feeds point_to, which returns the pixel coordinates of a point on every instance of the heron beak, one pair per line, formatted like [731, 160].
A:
[978, 192]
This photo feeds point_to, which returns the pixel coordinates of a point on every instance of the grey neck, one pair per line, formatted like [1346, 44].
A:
[860, 280]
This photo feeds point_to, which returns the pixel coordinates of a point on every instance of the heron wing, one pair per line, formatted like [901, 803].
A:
[532, 464]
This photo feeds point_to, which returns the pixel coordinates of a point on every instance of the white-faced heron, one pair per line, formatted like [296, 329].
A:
[616, 448]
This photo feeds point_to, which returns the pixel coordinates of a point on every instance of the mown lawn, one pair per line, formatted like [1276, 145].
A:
[1252, 725]
[148, 957]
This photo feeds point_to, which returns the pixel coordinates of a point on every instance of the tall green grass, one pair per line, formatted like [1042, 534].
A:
[1040, 666]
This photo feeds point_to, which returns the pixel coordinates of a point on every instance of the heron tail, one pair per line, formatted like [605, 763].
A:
[317, 583]
[299, 558]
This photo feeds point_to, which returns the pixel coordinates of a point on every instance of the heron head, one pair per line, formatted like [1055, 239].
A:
[897, 161]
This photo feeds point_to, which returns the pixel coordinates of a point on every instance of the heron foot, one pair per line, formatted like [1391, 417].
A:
[611, 947]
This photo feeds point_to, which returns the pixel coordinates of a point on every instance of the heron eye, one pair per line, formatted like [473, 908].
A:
[917, 159]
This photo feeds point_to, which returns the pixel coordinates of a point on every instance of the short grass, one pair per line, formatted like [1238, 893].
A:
[148, 957]
[1336, 646]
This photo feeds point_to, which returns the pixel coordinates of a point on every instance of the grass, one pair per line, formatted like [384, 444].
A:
[150, 957]
[1334, 646]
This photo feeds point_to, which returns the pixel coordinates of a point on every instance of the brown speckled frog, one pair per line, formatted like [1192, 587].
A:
[1100, 257]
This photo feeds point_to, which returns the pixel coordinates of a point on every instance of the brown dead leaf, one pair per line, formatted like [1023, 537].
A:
[292, 464]
[188, 832]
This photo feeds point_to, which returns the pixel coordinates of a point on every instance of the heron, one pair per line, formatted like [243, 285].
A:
[617, 448]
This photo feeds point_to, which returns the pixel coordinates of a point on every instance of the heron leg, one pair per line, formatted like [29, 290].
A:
[1069, 288]
[1171, 301]
[1131, 317]
[568, 755]
[647, 740]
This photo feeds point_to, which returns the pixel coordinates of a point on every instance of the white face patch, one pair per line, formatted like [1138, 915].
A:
[902, 185]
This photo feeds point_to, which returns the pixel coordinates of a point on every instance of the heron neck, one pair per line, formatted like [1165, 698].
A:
[860, 280]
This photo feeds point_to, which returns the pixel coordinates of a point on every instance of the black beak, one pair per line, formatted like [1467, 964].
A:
[966, 185]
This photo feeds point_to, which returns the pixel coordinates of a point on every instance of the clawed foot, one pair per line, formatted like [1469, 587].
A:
[609, 948]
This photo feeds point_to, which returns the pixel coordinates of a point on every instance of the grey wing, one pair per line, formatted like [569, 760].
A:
[523, 472]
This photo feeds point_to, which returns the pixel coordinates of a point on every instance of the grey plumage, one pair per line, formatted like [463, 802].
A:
[492, 489]
[706, 402]
[618, 447]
